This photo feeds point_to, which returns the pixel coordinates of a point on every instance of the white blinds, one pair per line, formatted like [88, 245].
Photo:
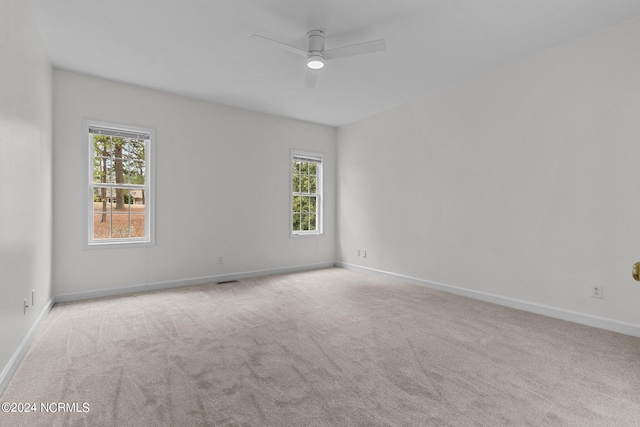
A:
[307, 159]
[121, 133]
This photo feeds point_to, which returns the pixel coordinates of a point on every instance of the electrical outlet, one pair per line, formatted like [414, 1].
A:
[221, 260]
[358, 252]
[364, 253]
[25, 307]
[596, 291]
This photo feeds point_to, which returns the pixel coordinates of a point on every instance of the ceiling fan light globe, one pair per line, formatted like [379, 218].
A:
[315, 62]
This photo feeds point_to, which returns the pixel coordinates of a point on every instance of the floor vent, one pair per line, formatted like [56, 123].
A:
[227, 281]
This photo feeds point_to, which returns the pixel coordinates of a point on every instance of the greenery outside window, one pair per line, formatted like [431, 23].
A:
[306, 194]
[120, 197]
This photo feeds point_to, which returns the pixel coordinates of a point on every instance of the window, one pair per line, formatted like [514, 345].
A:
[306, 193]
[119, 197]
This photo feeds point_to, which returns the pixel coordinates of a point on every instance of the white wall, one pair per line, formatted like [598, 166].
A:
[523, 183]
[25, 176]
[222, 188]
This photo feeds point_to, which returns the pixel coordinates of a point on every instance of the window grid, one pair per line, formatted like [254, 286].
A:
[306, 194]
[119, 186]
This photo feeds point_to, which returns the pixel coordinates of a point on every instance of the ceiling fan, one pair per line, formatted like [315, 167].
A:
[316, 55]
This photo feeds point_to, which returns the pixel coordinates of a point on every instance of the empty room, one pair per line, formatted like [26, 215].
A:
[320, 213]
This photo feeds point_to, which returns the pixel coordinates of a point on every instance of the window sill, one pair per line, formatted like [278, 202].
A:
[302, 235]
[119, 244]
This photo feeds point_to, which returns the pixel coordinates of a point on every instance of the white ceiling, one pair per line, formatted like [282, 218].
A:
[201, 48]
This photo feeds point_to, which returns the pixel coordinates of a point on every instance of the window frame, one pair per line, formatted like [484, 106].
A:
[319, 231]
[149, 186]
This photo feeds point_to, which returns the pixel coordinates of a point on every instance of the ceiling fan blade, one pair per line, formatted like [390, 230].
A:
[356, 49]
[310, 78]
[266, 41]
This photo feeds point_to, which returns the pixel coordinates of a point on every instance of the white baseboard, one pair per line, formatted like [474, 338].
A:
[545, 310]
[76, 296]
[17, 357]
[576, 317]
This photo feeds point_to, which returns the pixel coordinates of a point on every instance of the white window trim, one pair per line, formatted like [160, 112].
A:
[149, 240]
[319, 231]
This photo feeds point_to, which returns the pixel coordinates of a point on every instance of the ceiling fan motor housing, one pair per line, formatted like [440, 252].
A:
[315, 47]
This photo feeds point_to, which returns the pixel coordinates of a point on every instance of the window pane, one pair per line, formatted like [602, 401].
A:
[118, 166]
[103, 159]
[128, 148]
[313, 184]
[118, 200]
[127, 166]
[296, 183]
[133, 172]
[135, 197]
[304, 224]
[296, 222]
[102, 226]
[296, 203]
[137, 223]
[104, 169]
[134, 152]
[102, 200]
[312, 204]
[139, 172]
[313, 169]
[312, 222]
[305, 204]
[136, 149]
[304, 168]
[304, 184]
[119, 225]
[97, 170]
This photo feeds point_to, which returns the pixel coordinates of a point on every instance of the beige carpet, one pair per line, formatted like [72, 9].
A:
[321, 348]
